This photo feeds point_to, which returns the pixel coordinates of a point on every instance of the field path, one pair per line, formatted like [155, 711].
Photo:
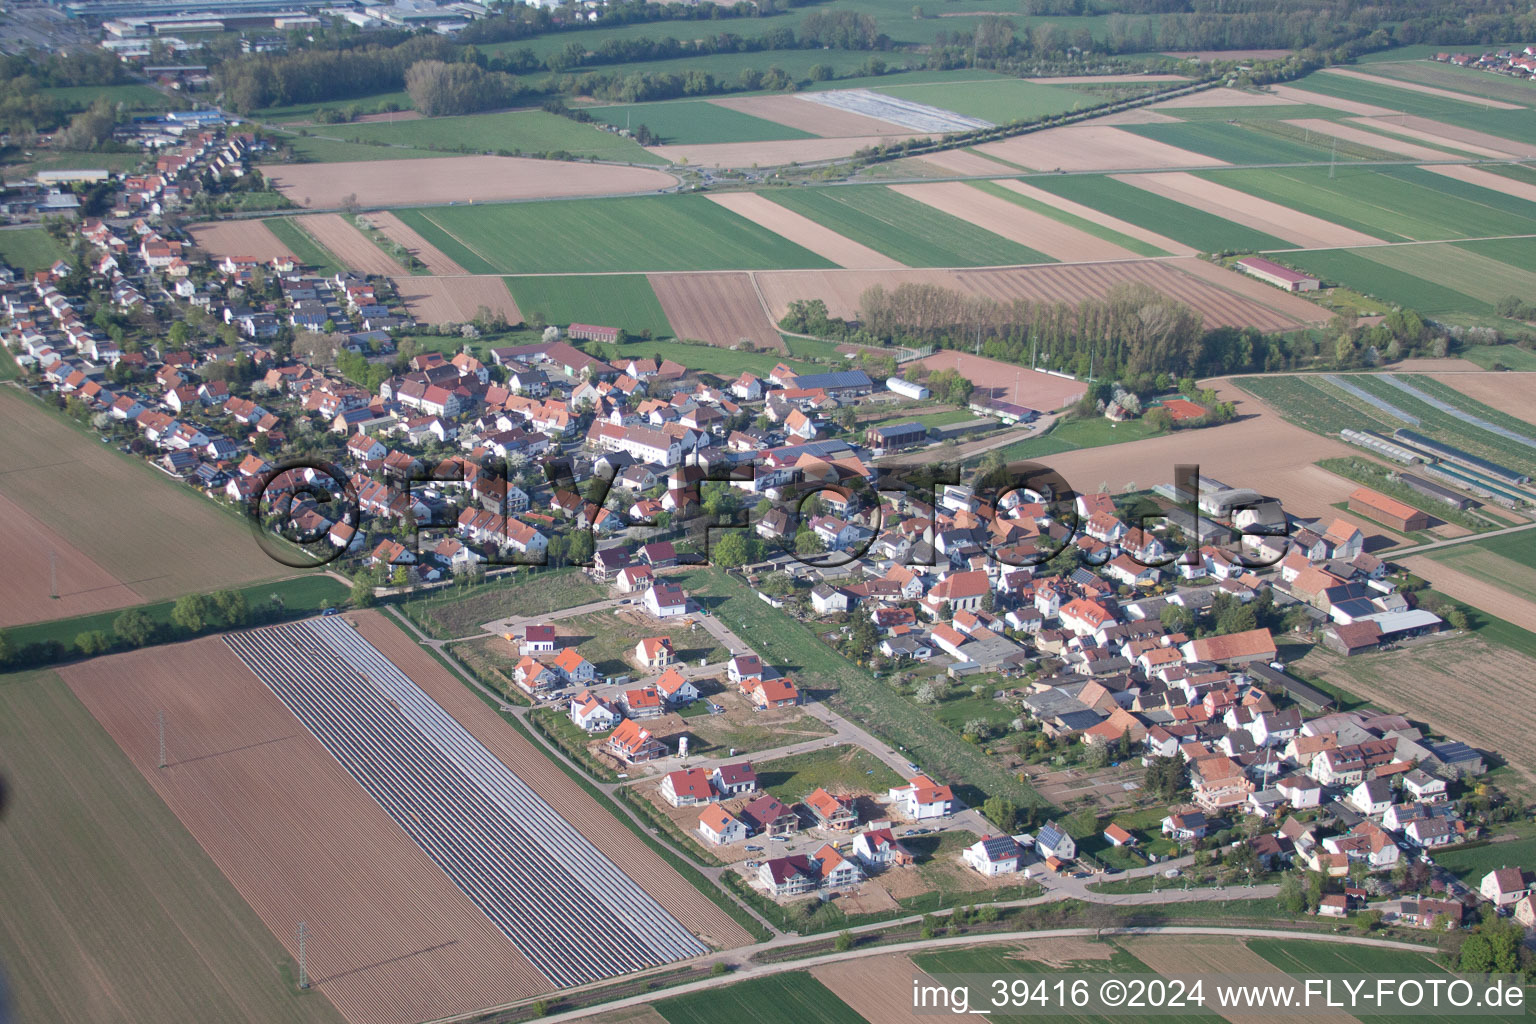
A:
[1016, 223]
[435, 260]
[1242, 208]
[804, 232]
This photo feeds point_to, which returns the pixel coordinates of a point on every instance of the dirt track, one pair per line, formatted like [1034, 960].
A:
[1014, 222]
[349, 245]
[455, 300]
[34, 557]
[721, 309]
[680, 899]
[242, 239]
[803, 231]
[392, 940]
[1092, 147]
[435, 260]
[1242, 208]
[456, 179]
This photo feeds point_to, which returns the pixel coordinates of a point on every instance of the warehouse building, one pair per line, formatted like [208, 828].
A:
[1281, 277]
[906, 388]
[1430, 489]
[898, 435]
[1387, 511]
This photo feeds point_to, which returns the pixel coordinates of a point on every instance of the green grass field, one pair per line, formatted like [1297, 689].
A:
[131, 95]
[1280, 111]
[1233, 143]
[1391, 203]
[793, 997]
[1299, 956]
[1471, 865]
[836, 769]
[903, 228]
[451, 612]
[999, 100]
[1471, 113]
[304, 248]
[614, 300]
[1313, 403]
[1462, 268]
[374, 103]
[516, 131]
[722, 362]
[1354, 269]
[1510, 356]
[112, 909]
[1205, 231]
[1071, 435]
[317, 150]
[30, 249]
[1135, 245]
[694, 121]
[1471, 81]
[629, 234]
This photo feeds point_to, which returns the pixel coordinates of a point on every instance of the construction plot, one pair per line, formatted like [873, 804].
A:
[803, 231]
[1092, 147]
[391, 939]
[1281, 221]
[721, 309]
[570, 909]
[1014, 222]
[455, 300]
[915, 117]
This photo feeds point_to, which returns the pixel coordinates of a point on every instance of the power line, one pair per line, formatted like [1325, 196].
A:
[303, 967]
[160, 728]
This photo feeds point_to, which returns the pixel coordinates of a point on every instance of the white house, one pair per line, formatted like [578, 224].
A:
[592, 714]
[719, 827]
[922, 798]
[1052, 841]
[665, 600]
[879, 848]
[687, 788]
[993, 855]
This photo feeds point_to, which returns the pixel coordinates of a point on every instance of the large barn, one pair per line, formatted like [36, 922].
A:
[1388, 511]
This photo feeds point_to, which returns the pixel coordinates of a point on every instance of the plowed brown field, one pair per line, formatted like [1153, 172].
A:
[879, 988]
[1044, 392]
[1014, 222]
[721, 309]
[1136, 231]
[242, 239]
[435, 259]
[349, 245]
[455, 300]
[960, 161]
[456, 179]
[1487, 179]
[391, 939]
[1295, 95]
[34, 556]
[1464, 139]
[1507, 392]
[618, 843]
[772, 154]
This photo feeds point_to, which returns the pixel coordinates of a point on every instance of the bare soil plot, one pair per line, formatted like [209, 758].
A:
[1136, 115]
[392, 939]
[1092, 147]
[1042, 391]
[1427, 90]
[1484, 580]
[773, 154]
[349, 245]
[1201, 954]
[722, 309]
[1223, 97]
[1295, 95]
[435, 260]
[816, 118]
[241, 239]
[1260, 214]
[879, 988]
[1463, 139]
[1487, 179]
[1506, 392]
[153, 535]
[1349, 133]
[1462, 686]
[623, 847]
[643, 1013]
[960, 161]
[803, 231]
[34, 558]
[1089, 213]
[457, 179]
[1287, 304]
[1014, 222]
[840, 289]
[453, 300]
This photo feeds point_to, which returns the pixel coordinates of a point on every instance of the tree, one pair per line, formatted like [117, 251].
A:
[929, 693]
[844, 942]
[192, 612]
[134, 627]
[1293, 894]
[7, 648]
[231, 607]
[400, 577]
[1002, 812]
[977, 729]
[1166, 778]
[581, 547]
[93, 642]
[362, 592]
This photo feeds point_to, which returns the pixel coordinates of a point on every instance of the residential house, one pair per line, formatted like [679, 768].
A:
[993, 855]
[633, 743]
[769, 816]
[687, 788]
[719, 827]
[922, 798]
[666, 600]
[837, 871]
[654, 653]
[676, 689]
[788, 876]
[832, 812]
[879, 848]
[591, 713]
[734, 779]
[1503, 887]
[1053, 841]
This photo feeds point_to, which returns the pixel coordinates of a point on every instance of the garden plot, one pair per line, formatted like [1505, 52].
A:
[917, 117]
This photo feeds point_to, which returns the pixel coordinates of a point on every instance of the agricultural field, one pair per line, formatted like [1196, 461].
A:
[450, 612]
[903, 228]
[1471, 81]
[1235, 143]
[29, 249]
[1015, 192]
[1205, 231]
[722, 362]
[789, 998]
[455, 300]
[1372, 277]
[1509, 849]
[614, 300]
[628, 234]
[510, 132]
[164, 543]
[374, 103]
[1512, 451]
[676, 122]
[1510, 357]
[1476, 396]
[108, 898]
[1018, 222]
[838, 770]
[303, 246]
[1482, 278]
[1072, 435]
[999, 100]
[1509, 564]
[1391, 203]
[323, 149]
[1300, 956]
[717, 309]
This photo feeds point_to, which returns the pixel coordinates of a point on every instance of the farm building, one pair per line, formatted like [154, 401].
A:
[1388, 511]
[838, 383]
[906, 388]
[1445, 451]
[898, 435]
[591, 332]
[1281, 277]
[1007, 412]
[1430, 489]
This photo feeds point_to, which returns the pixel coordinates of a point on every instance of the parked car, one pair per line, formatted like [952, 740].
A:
[754, 848]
